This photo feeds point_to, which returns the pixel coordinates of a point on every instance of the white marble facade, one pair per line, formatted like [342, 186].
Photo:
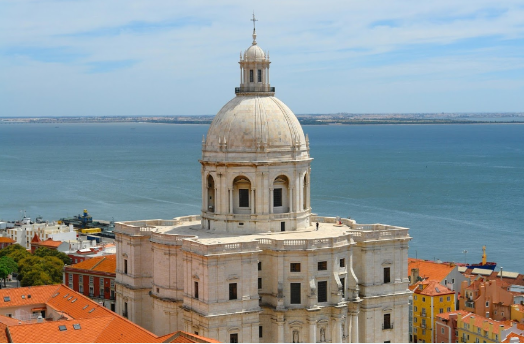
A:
[253, 267]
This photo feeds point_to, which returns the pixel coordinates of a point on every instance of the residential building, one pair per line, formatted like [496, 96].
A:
[25, 232]
[474, 328]
[430, 299]
[88, 252]
[4, 242]
[256, 265]
[58, 314]
[95, 278]
[446, 327]
[488, 298]
[51, 244]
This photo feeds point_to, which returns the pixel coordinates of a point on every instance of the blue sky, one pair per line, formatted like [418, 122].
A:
[162, 58]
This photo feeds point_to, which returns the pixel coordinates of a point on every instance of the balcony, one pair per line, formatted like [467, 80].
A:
[470, 304]
[387, 326]
[255, 89]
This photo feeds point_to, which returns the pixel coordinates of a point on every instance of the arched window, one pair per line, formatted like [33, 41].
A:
[242, 202]
[304, 192]
[281, 195]
[210, 194]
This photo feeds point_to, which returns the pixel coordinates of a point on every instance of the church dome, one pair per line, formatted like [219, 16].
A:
[254, 128]
[254, 53]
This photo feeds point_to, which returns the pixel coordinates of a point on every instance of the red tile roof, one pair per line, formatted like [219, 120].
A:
[185, 337]
[483, 322]
[8, 240]
[97, 323]
[429, 269]
[513, 335]
[102, 264]
[431, 288]
[445, 316]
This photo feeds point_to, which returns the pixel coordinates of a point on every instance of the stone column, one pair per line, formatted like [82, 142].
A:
[291, 200]
[336, 336]
[312, 331]
[252, 201]
[297, 194]
[271, 200]
[215, 196]
[354, 327]
[231, 201]
[204, 192]
[280, 334]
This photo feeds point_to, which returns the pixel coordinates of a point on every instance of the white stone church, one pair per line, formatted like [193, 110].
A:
[253, 266]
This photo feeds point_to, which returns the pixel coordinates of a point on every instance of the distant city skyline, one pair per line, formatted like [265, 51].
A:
[176, 58]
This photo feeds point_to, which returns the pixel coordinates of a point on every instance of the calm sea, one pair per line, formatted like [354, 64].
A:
[457, 187]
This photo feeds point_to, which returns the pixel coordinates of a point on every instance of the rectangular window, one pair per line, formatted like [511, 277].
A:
[277, 197]
[282, 226]
[260, 75]
[295, 294]
[243, 198]
[81, 287]
[91, 279]
[260, 332]
[342, 263]
[91, 290]
[441, 310]
[452, 281]
[387, 277]
[448, 298]
[70, 278]
[232, 291]
[259, 283]
[233, 337]
[343, 282]
[448, 309]
[416, 308]
[322, 266]
[259, 266]
[251, 75]
[441, 299]
[387, 321]
[101, 287]
[125, 310]
[487, 303]
[112, 284]
[196, 290]
[125, 266]
[295, 267]
[322, 291]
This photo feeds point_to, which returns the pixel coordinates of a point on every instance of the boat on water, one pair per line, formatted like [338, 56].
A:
[484, 264]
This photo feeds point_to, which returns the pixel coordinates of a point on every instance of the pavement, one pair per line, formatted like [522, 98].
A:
[11, 284]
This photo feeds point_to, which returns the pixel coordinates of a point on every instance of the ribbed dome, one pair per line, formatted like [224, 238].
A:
[254, 53]
[251, 128]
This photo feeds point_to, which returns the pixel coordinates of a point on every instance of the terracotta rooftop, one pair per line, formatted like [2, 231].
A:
[513, 335]
[4, 239]
[429, 269]
[103, 264]
[50, 243]
[483, 322]
[185, 337]
[94, 323]
[430, 288]
[445, 316]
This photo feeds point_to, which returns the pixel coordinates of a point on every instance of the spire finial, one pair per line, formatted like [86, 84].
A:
[254, 20]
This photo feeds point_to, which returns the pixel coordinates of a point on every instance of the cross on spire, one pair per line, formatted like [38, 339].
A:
[253, 20]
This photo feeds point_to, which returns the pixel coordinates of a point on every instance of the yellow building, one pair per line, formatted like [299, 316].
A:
[430, 298]
[473, 328]
[517, 313]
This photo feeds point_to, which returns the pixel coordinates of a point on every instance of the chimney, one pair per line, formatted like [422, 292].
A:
[40, 319]
[414, 275]
[514, 340]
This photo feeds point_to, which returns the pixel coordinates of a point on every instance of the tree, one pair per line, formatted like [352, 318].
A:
[45, 252]
[35, 270]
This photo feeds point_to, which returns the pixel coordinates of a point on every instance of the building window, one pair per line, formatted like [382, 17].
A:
[423, 299]
[441, 299]
[259, 266]
[322, 265]
[342, 263]
[260, 75]
[487, 303]
[70, 278]
[91, 290]
[125, 310]
[91, 279]
[196, 290]
[441, 310]
[260, 332]
[343, 282]
[80, 286]
[387, 277]
[232, 291]
[416, 308]
[295, 267]
[448, 298]
[416, 320]
[295, 293]
[125, 266]
[250, 80]
[243, 198]
[277, 197]
[415, 297]
[259, 283]
[387, 321]
[233, 337]
[452, 281]
[101, 287]
[322, 291]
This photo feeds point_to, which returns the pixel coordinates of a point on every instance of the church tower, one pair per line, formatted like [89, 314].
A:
[255, 159]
